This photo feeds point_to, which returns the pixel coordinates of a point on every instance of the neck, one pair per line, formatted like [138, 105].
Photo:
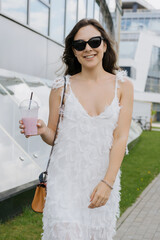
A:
[92, 74]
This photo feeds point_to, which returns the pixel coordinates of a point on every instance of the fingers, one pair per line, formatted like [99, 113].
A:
[92, 195]
[98, 201]
[21, 126]
[39, 124]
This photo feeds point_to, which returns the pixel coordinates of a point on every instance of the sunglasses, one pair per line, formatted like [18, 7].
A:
[93, 42]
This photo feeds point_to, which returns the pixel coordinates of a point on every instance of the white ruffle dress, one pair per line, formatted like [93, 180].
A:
[79, 161]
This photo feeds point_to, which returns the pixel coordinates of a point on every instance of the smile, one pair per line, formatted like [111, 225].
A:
[90, 56]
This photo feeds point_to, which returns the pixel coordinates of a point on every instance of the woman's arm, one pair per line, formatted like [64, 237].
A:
[54, 103]
[121, 132]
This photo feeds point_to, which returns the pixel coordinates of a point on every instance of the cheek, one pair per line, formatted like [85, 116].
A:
[79, 58]
[101, 53]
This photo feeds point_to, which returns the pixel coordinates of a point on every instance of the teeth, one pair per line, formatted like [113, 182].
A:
[90, 56]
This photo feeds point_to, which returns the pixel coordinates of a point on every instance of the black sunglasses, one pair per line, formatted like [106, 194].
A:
[93, 42]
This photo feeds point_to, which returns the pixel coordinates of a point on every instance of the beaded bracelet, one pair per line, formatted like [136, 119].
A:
[107, 183]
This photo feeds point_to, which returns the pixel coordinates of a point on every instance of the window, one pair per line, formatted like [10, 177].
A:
[57, 20]
[90, 7]
[153, 79]
[131, 71]
[96, 11]
[146, 21]
[123, 24]
[47, 1]
[141, 23]
[128, 49]
[81, 9]
[39, 16]
[154, 24]
[71, 13]
[16, 9]
[128, 23]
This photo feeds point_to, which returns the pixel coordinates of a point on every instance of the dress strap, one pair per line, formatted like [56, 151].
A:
[116, 85]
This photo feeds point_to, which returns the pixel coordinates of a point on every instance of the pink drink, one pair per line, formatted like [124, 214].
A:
[29, 113]
[30, 126]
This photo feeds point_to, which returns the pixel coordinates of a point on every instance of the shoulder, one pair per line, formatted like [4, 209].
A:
[123, 81]
[58, 82]
[57, 88]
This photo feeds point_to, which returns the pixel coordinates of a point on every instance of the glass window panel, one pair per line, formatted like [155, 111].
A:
[81, 9]
[122, 23]
[141, 20]
[71, 12]
[154, 25]
[47, 1]
[141, 24]
[153, 79]
[39, 16]
[90, 7]
[146, 21]
[15, 9]
[17, 168]
[154, 69]
[134, 24]
[128, 49]
[101, 17]
[57, 20]
[96, 11]
[128, 23]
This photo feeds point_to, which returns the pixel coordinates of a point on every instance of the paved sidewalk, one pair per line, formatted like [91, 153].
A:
[142, 220]
[156, 124]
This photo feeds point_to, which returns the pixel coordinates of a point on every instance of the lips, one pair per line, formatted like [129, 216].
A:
[90, 56]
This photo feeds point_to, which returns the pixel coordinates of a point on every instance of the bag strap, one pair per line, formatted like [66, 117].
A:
[62, 106]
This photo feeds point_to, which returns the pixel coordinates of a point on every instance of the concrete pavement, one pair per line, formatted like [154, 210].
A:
[142, 220]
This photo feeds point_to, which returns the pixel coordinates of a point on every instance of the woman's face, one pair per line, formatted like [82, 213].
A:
[89, 57]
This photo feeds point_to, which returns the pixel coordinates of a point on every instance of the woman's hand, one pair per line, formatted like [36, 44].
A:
[41, 127]
[100, 195]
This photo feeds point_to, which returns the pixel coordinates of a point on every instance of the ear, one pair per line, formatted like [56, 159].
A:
[105, 46]
[74, 51]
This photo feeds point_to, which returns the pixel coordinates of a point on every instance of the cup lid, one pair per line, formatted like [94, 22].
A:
[26, 103]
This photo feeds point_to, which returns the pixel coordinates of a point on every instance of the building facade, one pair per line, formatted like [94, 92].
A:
[140, 50]
[33, 32]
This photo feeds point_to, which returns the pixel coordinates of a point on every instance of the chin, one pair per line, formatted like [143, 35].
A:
[90, 65]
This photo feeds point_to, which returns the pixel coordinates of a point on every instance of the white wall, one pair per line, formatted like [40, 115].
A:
[25, 51]
[142, 109]
[142, 58]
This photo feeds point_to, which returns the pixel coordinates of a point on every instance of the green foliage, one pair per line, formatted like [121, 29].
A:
[153, 112]
[139, 168]
[26, 226]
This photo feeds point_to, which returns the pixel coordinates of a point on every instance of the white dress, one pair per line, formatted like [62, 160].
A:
[79, 161]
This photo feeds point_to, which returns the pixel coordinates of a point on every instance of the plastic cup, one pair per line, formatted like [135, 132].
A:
[29, 116]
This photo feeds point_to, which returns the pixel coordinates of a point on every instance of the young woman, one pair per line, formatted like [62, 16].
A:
[83, 188]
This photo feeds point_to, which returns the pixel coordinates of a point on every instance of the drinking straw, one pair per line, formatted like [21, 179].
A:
[30, 101]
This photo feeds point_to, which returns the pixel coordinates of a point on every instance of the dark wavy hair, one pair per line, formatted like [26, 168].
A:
[72, 65]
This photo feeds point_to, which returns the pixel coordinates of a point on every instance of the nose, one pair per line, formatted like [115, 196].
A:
[87, 48]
